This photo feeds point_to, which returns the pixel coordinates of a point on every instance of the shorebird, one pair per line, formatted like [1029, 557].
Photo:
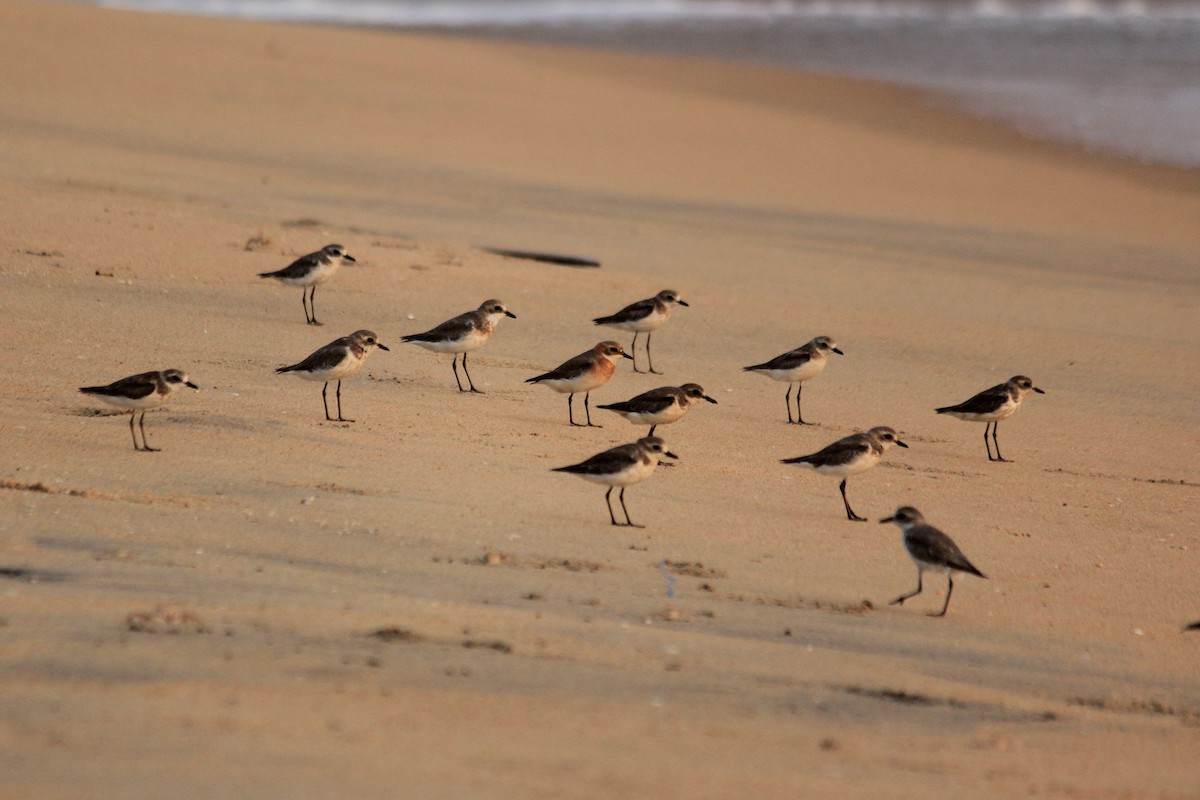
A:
[141, 392]
[644, 316]
[932, 550]
[339, 359]
[660, 406]
[464, 333]
[311, 271]
[583, 373]
[992, 405]
[796, 367]
[622, 466]
[850, 455]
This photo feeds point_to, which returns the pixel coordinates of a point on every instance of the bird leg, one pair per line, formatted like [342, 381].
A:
[899, 601]
[949, 591]
[628, 521]
[633, 349]
[324, 401]
[996, 425]
[608, 502]
[648, 359]
[588, 411]
[454, 366]
[849, 511]
[799, 418]
[312, 301]
[339, 401]
[468, 374]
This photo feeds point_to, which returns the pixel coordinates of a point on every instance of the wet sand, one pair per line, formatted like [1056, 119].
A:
[414, 605]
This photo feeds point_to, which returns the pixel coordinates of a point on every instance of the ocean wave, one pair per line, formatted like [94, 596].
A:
[493, 13]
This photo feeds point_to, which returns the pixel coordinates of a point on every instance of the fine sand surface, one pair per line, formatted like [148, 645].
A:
[414, 605]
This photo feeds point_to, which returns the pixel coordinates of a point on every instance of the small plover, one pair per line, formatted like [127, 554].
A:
[462, 334]
[622, 466]
[583, 373]
[339, 359]
[660, 406]
[992, 405]
[311, 270]
[644, 316]
[932, 550]
[141, 392]
[850, 455]
[796, 367]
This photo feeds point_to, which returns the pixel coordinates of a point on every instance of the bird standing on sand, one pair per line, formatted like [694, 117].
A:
[339, 359]
[796, 367]
[992, 405]
[850, 455]
[464, 333]
[644, 316]
[622, 466]
[583, 373]
[660, 406]
[932, 550]
[141, 392]
[311, 271]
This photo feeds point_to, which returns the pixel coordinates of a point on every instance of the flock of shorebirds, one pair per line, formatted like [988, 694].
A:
[627, 464]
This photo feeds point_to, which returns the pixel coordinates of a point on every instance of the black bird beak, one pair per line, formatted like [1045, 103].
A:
[709, 399]
[189, 383]
[839, 352]
[1039, 391]
[383, 346]
[627, 356]
[348, 257]
[669, 454]
[510, 314]
[683, 303]
[887, 519]
[902, 444]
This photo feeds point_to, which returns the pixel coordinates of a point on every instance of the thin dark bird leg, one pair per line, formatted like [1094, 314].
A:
[849, 511]
[652, 427]
[899, 601]
[628, 521]
[787, 400]
[588, 410]
[608, 503]
[133, 414]
[949, 591]
[469, 381]
[633, 349]
[649, 360]
[339, 399]
[799, 417]
[304, 303]
[312, 300]
[454, 366]
[571, 410]
[999, 457]
[146, 444]
[986, 443]
[324, 401]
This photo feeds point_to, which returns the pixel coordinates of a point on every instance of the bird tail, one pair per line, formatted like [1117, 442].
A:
[537, 378]
[292, 368]
[268, 274]
[945, 409]
[91, 389]
[804, 460]
[604, 320]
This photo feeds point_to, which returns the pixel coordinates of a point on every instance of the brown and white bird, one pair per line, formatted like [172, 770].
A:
[622, 466]
[141, 392]
[462, 334]
[797, 366]
[931, 550]
[850, 455]
[583, 373]
[644, 316]
[660, 406]
[310, 271]
[339, 359]
[992, 405]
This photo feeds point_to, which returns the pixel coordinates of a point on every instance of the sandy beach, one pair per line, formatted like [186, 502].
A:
[414, 605]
